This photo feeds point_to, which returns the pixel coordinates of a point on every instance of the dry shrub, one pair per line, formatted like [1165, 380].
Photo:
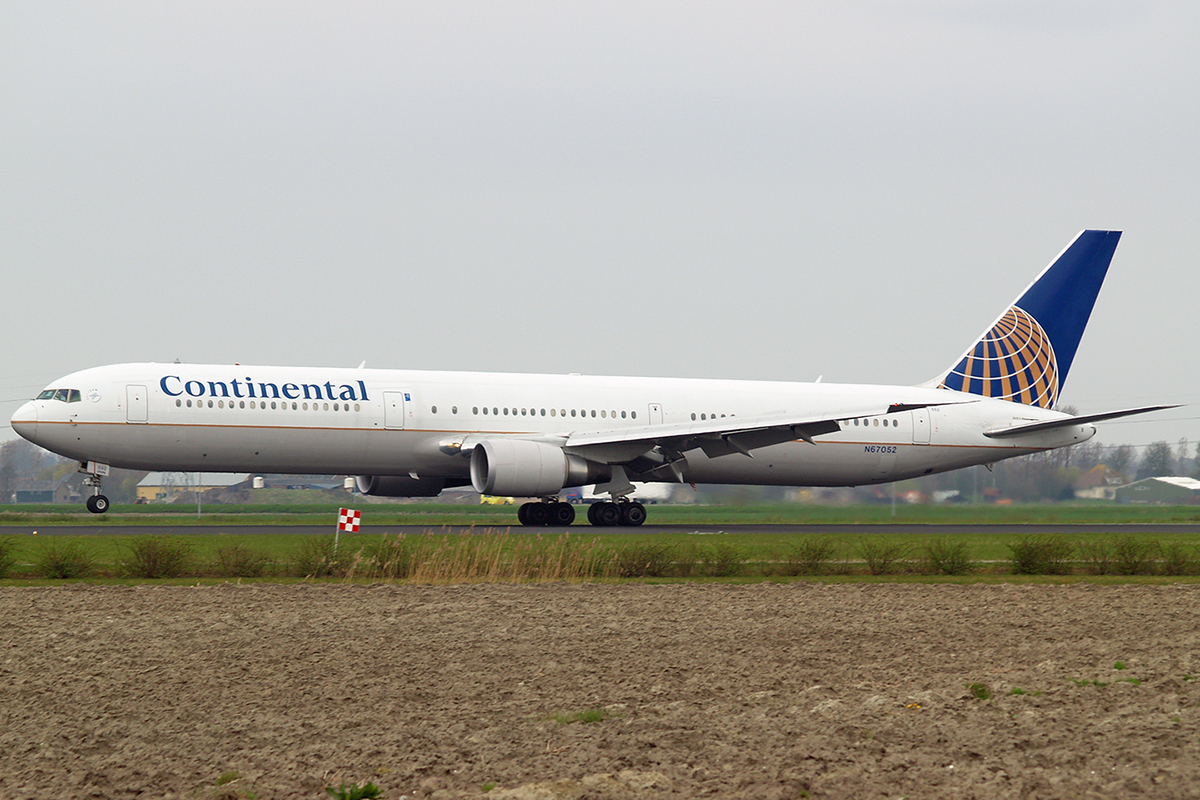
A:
[496, 558]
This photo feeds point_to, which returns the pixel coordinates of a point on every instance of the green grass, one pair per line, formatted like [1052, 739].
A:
[980, 691]
[587, 717]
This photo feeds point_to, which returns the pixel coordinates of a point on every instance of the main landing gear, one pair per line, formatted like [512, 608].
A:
[602, 515]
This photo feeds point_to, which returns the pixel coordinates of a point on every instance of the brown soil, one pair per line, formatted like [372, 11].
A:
[760, 691]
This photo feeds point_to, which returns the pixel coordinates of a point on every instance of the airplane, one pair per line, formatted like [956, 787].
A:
[407, 433]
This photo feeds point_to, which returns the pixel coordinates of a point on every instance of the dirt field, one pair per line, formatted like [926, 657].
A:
[762, 691]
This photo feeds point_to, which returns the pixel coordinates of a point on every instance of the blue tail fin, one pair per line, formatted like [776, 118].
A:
[1025, 355]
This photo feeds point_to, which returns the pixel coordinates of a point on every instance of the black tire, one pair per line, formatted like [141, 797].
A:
[633, 514]
[563, 514]
[523, 513]
[607, 515]
[537, 514]
[97, 504]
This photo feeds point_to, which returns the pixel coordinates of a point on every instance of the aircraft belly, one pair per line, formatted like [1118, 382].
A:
[263, 449]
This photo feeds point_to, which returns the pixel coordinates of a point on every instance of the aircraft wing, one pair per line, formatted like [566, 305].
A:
[718, 437]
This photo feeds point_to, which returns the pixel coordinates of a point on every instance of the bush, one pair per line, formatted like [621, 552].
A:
[236, 560]
[809, 556]
[157, 557]
[1041, 555]
[318, 557]
[1096, 557]
[943, 557]
[721, 560]
[64, 558]
[643, 561]
[8, 555]
[1133, 555]
[1177, 560]
[883, 556]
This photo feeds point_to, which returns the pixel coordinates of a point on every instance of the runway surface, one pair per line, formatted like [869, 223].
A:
[583, 529]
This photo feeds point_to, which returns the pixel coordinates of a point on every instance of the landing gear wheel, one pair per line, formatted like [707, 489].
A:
[562, 514]
[522, 511]
[97, 504]
[537, 513]
[632, 514]
[604, 515]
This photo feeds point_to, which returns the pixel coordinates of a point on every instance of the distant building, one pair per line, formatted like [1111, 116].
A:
[1099, 483]
[166, 486]
[29, 490]
[1161, 491]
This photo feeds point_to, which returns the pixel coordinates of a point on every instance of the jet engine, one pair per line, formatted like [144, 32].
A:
[520, 468]
[399, 485]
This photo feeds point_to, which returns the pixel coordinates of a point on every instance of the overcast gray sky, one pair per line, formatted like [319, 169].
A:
[753, 190]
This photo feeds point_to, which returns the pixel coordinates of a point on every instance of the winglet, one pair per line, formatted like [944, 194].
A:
[1024, 356]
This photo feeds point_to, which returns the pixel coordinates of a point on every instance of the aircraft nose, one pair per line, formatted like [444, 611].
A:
[25, 420]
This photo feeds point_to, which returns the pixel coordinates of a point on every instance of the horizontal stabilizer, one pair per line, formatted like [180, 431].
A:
[1067, 422]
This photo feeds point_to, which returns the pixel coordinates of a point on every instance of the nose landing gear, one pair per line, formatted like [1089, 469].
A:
[97, 503]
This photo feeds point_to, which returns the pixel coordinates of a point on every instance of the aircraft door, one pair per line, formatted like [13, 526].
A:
[393, 410]
[135, 404]
[920, 423]
[656, 413]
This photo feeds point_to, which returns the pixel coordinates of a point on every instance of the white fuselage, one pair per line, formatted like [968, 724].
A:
[413, 423]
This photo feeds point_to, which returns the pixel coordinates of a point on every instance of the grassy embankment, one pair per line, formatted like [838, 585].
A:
[492, 551]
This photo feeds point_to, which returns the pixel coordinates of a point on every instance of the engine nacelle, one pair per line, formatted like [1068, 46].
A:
[520, 468]
[399, 485]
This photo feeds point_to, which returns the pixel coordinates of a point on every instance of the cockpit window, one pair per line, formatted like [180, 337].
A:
[64, 395]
